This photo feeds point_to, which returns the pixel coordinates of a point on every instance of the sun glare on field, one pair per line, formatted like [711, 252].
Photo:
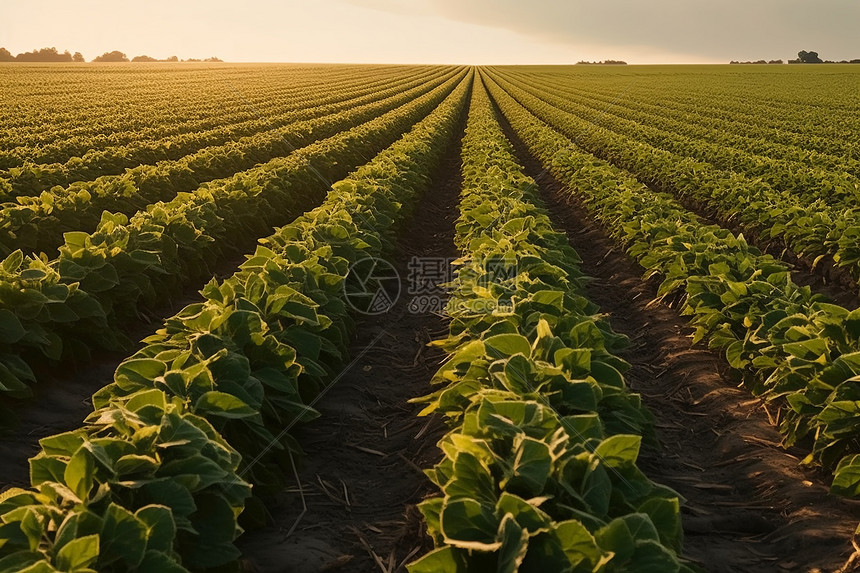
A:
[429, 287]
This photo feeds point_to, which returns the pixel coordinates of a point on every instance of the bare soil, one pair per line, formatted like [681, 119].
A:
[361, 477]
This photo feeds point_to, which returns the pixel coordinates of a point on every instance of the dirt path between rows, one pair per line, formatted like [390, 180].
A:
[750, 506]
[361, 475]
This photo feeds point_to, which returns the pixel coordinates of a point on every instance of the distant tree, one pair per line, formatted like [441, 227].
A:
[143, 59]
[172, 59]
[6, 55]
[115, 56]
[776, 62]
[213, 59]
[605, 62]
[78, 57]
[808, 57]
[856, 61]
[44, 55]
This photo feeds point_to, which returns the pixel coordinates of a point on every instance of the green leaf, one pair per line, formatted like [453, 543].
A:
[30, 561]
[33, 275]
[467, 524]
[531, 467]
[65, 444]
[616, 537]
[619, 451]
[442, 560]
[216, 524]
[665, 514]
[505, 345]
[517, 377]
[552, 298]
[197, 470]
[136, 464]
[123, 537]
[68, 531]
[160, 527]
[142, 399]
[170, 493]
[471, 479]
[14, 376]
[80, 473]
[76, 240]
[576, 361]
[577, 543]
[12, 263]
[11, 329]
[846, 480]
[640, 527]
[158, 562]
[651, 557]
[59, 311]
[137, 372]
[78, 554]
[224, 405]
[12, 537]
[527, 514]
[852, 324]
[515, 544]
[45, 468]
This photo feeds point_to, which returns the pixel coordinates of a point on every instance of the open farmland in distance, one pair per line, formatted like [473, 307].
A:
[267, 317]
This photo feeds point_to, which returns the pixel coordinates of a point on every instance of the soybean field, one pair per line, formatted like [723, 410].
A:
[295, 317]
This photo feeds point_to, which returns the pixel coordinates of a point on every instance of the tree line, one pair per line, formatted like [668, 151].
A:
[603, 63]
[803, 57]
[53, 55]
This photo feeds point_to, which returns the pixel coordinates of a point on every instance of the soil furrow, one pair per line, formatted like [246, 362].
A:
[361, 476]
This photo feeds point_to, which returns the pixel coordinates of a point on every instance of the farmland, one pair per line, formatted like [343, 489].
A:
[270, 317]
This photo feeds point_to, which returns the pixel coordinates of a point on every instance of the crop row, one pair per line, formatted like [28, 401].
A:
[45, 145]
[101, 107]
[808, 177]
[539, 471]
[155, 480]
[753, 117]
[801, 101]
[810, 228]
[789, 167]
[60, 309]
[33, 174]
[792, 347]
[37, 224]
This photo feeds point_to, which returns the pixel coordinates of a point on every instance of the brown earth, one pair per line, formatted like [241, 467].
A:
[361, 478]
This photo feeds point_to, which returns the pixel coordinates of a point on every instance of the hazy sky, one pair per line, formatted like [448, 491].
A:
[438, 31]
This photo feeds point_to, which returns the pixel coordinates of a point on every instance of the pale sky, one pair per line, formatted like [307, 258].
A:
[438, 31]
